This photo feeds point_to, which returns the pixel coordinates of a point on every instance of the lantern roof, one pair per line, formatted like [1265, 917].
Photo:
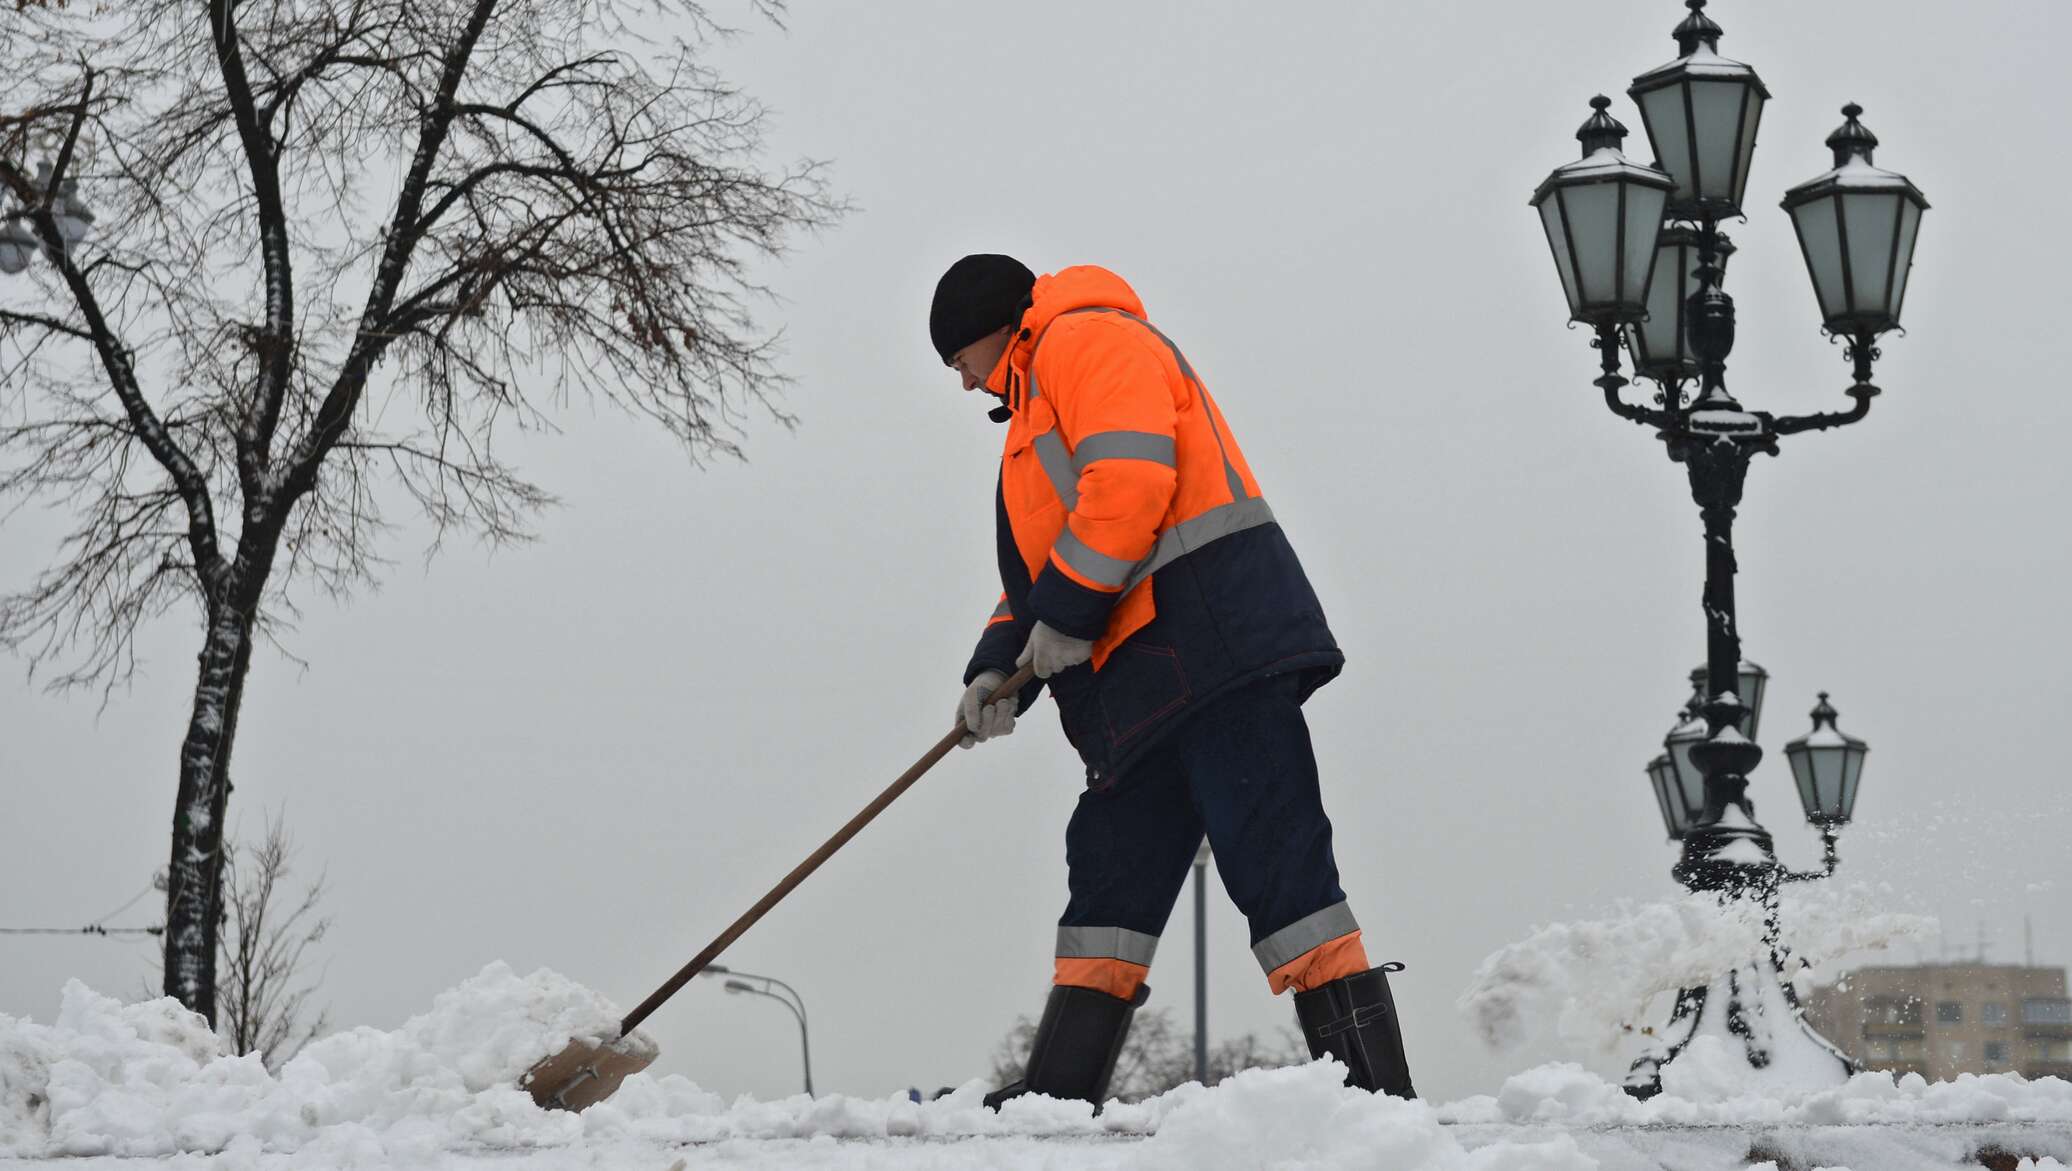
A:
[1697, 41]
[1824, 733]
[1853, 143]
[1602, 161]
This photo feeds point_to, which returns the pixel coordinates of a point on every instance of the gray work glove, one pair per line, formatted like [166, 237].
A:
[982, 721]
[1052, 651]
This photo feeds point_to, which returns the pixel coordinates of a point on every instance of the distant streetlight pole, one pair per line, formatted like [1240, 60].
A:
[796, 1003]
[1642, 263]
[1201, 963]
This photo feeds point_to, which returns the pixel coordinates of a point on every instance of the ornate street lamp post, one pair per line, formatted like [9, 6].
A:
[1856, 226]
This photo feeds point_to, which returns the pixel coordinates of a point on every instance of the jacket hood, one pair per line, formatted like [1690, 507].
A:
[1083, 286]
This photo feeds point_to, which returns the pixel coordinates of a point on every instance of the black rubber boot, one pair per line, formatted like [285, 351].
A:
[1354, 1020]
[1077, 1042]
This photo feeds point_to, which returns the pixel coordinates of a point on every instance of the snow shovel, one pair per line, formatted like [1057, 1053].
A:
[586, 1073]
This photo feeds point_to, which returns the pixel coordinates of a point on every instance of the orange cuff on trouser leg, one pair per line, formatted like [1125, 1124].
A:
[1334, 959]
[1118, 978]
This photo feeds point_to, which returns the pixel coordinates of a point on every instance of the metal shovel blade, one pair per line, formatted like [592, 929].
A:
[583, 1074]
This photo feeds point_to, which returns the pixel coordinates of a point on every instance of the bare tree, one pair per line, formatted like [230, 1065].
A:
[265, 983]
[344, 246]
[1158, 1055]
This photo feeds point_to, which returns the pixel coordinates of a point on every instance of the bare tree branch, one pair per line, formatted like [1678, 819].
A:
[342, 248]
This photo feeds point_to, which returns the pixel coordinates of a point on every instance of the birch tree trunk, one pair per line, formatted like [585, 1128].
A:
[194, 883]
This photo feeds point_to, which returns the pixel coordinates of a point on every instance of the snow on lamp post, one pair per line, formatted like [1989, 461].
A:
[1856, 225]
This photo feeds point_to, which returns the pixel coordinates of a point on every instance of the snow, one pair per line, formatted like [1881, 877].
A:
[110, 1086]
[1596, 981]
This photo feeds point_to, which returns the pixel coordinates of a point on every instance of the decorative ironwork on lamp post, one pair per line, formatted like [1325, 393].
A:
[1856, 225]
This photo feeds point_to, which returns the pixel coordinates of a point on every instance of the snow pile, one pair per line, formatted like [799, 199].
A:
[1304, 1117]
[1597, 979]
[151, 1078]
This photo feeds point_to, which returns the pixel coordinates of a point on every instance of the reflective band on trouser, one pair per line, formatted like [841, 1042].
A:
[1145, 445]
[1303, 934]
[1089, 563]
[1106, 943]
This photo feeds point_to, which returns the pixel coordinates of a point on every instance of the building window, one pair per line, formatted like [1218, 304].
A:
[2047, 1012]
[1992, 1014]
[1954, 1052]
[1996, 1053]
[1949, 1012]
[1889, 1050]
[1885, 1010]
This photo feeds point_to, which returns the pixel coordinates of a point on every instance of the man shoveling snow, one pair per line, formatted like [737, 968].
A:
[1146, 581]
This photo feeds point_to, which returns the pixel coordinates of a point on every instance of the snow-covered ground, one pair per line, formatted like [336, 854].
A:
[109, 1085]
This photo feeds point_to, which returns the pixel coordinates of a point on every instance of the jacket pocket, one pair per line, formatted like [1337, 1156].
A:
[1141, 684]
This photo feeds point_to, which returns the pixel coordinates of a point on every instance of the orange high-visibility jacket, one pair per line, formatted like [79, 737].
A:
[1127, 515]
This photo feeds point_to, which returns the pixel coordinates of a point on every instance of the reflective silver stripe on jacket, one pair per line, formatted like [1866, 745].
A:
[1189, 535]
[1090, 563]
[1057, 464]
[1002, 610]
[1062, 468]
[1148, 446]
[1288, 944]
[1106, 943]
[1230, 476]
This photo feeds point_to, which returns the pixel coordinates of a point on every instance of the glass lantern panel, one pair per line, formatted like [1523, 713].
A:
[1802, 775]
[1822, 244]
[1690, 780]
[1716, 109]
[1852, 777]
[1643, 227]
[1827, 777]
[1871, 220]
[1660, 337]
[1593, 223]
[1664, 783]
[1909, 228]
[1662, 112]
[1550, 218]
[1749, 127]
[14, 254]
[1753, 684]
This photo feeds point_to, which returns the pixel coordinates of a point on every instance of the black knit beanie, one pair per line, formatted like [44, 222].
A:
[978, 295]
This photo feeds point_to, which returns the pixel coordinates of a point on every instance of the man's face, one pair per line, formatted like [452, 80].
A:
[975, 361]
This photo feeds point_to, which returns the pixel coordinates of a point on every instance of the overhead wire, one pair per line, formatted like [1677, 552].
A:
[95, 926]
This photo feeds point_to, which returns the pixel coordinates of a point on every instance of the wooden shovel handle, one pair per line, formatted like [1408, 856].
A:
[1012, 686]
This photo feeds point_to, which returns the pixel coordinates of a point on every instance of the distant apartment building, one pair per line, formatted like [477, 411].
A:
[1940, 1020]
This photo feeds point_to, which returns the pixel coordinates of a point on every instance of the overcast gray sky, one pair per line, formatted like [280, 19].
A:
[593, 752]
